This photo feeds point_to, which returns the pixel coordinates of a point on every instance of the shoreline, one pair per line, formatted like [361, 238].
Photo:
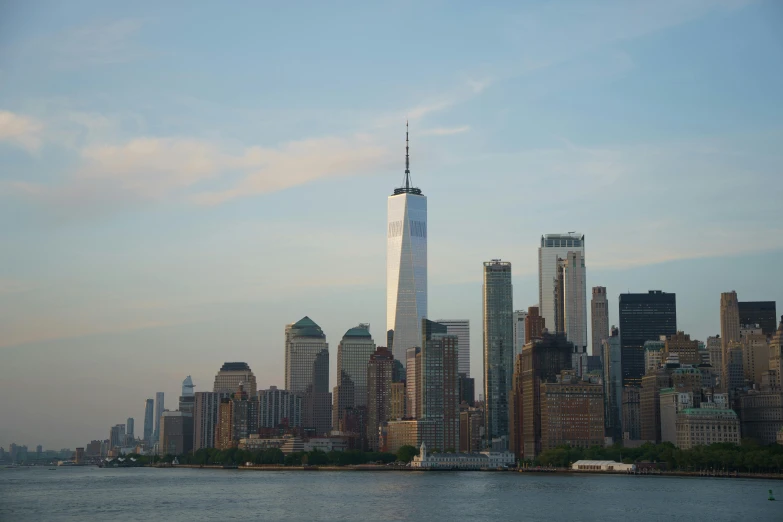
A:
[370, 467]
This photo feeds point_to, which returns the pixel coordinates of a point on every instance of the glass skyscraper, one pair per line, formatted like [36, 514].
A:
[406, 264]
[158, 413]
[498, 345]
[643, 317]
[149, 425]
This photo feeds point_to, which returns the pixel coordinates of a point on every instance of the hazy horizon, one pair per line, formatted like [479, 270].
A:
[179, 184]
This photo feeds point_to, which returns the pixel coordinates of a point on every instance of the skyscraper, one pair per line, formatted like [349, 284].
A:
[129, 428]
[762, 313]
[534, 324]
[613, 385]
[406, 264]
[729, 333]
[149, 416]
[643, 317]
[520, 317]
[498, 345]
[229, 376]
[307, 372]
[573, 292]
[554, 247]
[599, 308]
[279, 408]
[378, 371]
[158, 413]
[460, 328]
[353, 354]
[413, 381]
[187, 387]
[205, 418]
[440, 383]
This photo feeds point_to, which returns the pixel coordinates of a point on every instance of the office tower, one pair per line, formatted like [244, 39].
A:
[762, 313]
[613, 385]
[572, 412]
[237, 418]
[653, 355]
[149, 416]
[534, 325]
[117, 436]
[129, 433]
[776, 356]
[158, 412]
[205, 418]
[599, 308]
[755, 353]
[413, 381]
[729, 333]
[643, 317]
[317, 401]
[649, 404]
[187, 387]
[279, 408]
[733, 377]
[353, 353]
[176, 434]
[498, 312]
[230, 375]
[439, 383]
[571, 305]
[406, 264]
[632, 423]
[554, 247]
[378, 395]
[397, 400]
[542, 360]
[460, 328]
[680, 344]
[519, 331]
[307, 372]
[467, 389]
[715, 352]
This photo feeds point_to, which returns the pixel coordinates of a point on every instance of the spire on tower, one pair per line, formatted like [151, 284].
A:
[407, 159]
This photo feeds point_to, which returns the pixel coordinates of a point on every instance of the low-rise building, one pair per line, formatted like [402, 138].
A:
[706, 425]
[326, 444]
[466, 461]
[601, 465]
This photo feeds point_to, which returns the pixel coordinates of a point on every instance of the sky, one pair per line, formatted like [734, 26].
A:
[180, 180]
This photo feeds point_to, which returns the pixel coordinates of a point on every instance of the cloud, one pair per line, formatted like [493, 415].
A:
[21, 131]
[445, 131]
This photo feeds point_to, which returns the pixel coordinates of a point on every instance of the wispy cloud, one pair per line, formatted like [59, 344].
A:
[22, 131]
[445, 131]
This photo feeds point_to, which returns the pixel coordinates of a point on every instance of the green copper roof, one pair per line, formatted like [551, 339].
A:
[708, 411]
[361, 331]
[306, 327]
[304, 322]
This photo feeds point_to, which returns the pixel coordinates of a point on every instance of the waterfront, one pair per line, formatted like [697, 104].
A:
[90, 493]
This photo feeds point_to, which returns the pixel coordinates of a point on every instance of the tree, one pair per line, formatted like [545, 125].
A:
[406, 453]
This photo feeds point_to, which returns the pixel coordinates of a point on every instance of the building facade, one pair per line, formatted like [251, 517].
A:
[776, 356]
[713, 347]
[534, 325]
[471, 430]
[378, 400]
[413, 382]
[572, 412]
[353, 354]
[159, 407]
[397, 406]
[761, 415]
[176, 436]
[440, 383]
[613, 385]
[231, 374]
[643, 317]
[762, 313]
[307, 372]
[414, 432]
[574, 305]
[632, 416]
[650, 406]
[653, 355]
[520, 317]
[406, 264]
[552, 248]
[149, 420]
[729, 333]
[705, 426]
[599, 309]
[461, 329]
[498, 341]
[686, 350]
[279, 408]
[205, 418]
[755, 353]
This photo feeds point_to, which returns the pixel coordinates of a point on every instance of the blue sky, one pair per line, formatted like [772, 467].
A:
[179, 181]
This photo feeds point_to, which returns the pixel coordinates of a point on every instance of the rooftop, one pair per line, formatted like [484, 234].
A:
[234, 367]
[362, 331]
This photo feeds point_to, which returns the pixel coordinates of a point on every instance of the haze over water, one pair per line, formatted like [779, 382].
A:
[191, 494]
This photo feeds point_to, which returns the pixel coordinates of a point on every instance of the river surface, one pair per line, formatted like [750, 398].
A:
[91, 493]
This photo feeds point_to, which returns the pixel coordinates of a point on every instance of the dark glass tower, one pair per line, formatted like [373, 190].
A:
[761, 313]
[498, 346]
[643, 317]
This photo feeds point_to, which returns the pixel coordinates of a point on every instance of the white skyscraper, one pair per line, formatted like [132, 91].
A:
[575, 299]
[406, 264]
[520, 316]
[460, 328]
[554, 247]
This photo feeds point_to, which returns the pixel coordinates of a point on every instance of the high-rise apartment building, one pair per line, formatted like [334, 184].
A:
[762, 313]
[554, 247]
[572, 412]
[413, 382]
[460, 328]
[378, 394]
[279, 408]
[406, 264]
[205, 418]
[599, 315]
[519, 331]
[307, 372]
[729, 333]
[353, 354]
[158, 412]
[542, 360]
[149, 420]
[440, 383]
[237, 418]
[613, 385]
[230, 375]
[498, 312]
[643, 317]
[534, 325]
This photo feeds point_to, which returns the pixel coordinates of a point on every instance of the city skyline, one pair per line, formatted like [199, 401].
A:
[189, 224]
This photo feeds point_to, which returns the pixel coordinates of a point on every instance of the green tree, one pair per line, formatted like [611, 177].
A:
[406, 453]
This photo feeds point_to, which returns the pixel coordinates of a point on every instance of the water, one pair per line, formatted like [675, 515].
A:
[90, 493]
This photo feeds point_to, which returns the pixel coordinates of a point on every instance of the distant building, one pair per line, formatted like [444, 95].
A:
[534, 325]
[413, 382]
[572, 412]
[498, 345]
[78, 456]
[672, 403]
[159, 407]
[599, 308]
[410, 433]
[776, 355]
[117, 436]
[601, 465]
[237, 418]
[681, 344]
[755, 353]
[467, 387]
[571, 306]
[761, 415]
[653, 355]
[176, 437]
[643, 317]
[520, 316]
[279, 408]
[715, 352]
[632, 424]
[129, 428]
[397, 400]
[762, 313]
[705, 426]
[613, 385]
[461, 329]
[440, 383]
[231, 374]
[649, 404]
[149, 420]
[93, 449]
[378, 385]
[733, 375]
[307, 372]
[466, 461]
[205, 418]
[471, 430]
[729, 333]
[353, 354]
[552, 248]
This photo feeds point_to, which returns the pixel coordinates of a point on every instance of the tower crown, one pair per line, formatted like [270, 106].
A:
[407, 188]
